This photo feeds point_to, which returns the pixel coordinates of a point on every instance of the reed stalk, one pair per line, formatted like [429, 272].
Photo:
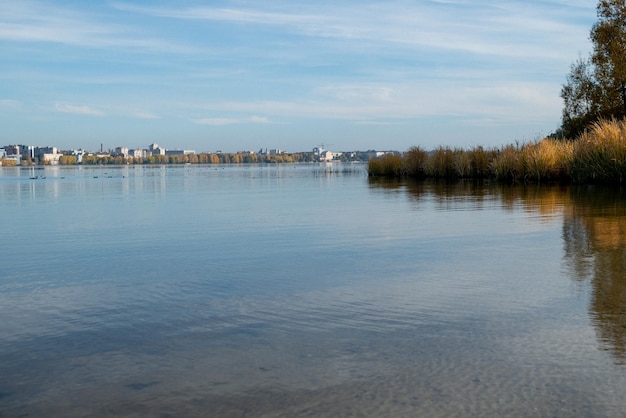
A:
[597, 156]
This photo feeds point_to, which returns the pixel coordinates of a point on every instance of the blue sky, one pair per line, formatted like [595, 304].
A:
[245, 74]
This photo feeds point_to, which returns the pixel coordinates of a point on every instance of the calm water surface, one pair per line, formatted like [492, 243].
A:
[307, 290]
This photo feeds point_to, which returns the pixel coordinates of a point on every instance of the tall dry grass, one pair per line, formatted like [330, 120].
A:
[414, 162]
[388, 165]
[507, 164]
[480, 161]
[599, 156]
[441, 163]
[547, 161]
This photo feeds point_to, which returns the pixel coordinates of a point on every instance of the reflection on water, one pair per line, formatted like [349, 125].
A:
[594, 237]
[306, 290]
[545, 201]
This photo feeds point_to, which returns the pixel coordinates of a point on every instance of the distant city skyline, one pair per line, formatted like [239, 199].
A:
[21, 154]
[102, 149]
[245, 75]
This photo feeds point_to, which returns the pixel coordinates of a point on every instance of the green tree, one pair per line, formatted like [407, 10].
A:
[7, 163]
[609, 55]
[579, 99]
[26, 160]
[89, 160]
[67, 160]
[176, 159]
[595, 88]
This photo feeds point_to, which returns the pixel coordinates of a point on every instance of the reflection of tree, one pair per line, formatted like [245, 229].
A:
[595, 246]
[545, 201]
[594, 236]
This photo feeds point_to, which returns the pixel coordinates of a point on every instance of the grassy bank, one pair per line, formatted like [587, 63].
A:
[598, 156]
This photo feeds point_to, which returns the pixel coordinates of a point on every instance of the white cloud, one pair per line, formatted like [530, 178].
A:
[258, 119]
[283, 62]
[226, 14]
[507, 101]
[143, 115]
[78, 109]
[357, 92]
[373, 123]
[31, 21]
[509, 28]
[215, 121]
[230, 121]
[27, 21]
[10, 104]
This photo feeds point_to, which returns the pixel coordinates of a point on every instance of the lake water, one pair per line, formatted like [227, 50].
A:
[307, 290]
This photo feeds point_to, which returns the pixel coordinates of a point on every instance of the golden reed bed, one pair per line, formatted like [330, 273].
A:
[597, 156]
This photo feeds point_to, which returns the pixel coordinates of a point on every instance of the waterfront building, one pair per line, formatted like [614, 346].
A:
[154, 149]
[179, 152]
[51, 159]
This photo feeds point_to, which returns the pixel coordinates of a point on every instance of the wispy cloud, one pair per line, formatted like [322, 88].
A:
[78, 109]
[120, 111]
[10, 104]
[215, 121]
[230, 121]
[139, 114]
[292, 63]
[227, 14]
[30, 21]
[480, 27]
[258, 119]
[507, 101]
[357, 92]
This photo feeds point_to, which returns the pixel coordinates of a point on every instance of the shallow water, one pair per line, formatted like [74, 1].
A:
[307, 290]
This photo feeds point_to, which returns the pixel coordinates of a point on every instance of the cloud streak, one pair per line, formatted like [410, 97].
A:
[230, 121]
[10, 104]
[78, 109]
[294, 66]
[479, 28]
[139, 114]
[27, 21]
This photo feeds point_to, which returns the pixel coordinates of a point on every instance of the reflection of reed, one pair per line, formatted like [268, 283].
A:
[595, 242]
[545, 201]
[594, 236]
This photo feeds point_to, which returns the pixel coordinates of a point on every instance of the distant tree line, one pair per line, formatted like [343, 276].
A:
[202, 158]
[7, 162]
[27, 160]
[595, 87]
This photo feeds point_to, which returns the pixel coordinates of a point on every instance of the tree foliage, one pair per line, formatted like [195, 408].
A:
[579, 103]
[595, 88]
[202, 158]
[67, 160]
